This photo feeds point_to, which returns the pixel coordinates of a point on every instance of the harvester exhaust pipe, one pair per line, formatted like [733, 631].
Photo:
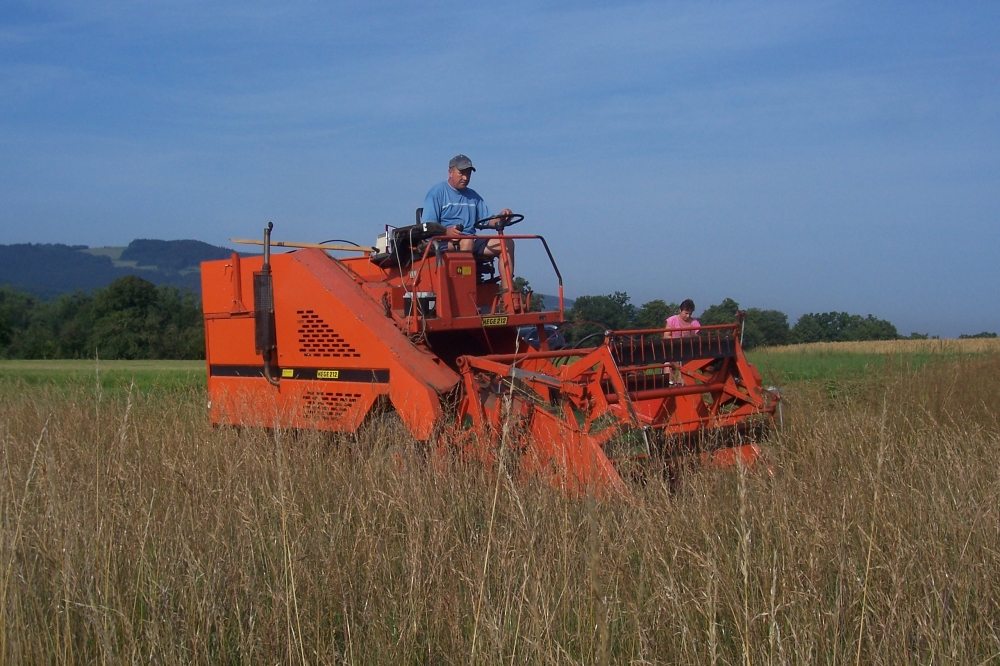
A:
[263, 305]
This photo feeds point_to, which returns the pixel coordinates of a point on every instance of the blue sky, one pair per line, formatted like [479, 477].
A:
[801, 156]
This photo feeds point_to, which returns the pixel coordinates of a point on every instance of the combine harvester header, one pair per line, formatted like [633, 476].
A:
[429, 332]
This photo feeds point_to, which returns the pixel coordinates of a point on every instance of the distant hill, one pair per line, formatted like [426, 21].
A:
[172, 256]
[552, 302]
[48, 270]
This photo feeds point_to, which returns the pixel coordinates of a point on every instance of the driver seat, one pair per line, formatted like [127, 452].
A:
[486, 270]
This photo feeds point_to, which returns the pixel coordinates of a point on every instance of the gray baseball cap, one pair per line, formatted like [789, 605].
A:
[460, 162]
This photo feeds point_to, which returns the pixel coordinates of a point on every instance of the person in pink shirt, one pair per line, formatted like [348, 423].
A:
[683, 319]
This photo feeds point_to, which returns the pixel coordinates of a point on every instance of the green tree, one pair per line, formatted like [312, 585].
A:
[723, 313]
[181, 324]
[124, 327]
[761, 328]
[872, 328]
[124, 294]
[130, 319]
[592, 314]
[133, 319]
[841, 327]
[15, 315]
[654, 314]
[72, 321]
[765, 328]
[984, 334]
[33, 328]
[537, 300]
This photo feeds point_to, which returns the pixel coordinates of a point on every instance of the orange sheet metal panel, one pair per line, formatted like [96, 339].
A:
[317, 405]
[456, 280]
[337, 351]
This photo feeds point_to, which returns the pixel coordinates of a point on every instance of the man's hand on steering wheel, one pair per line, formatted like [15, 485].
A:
[504, 218]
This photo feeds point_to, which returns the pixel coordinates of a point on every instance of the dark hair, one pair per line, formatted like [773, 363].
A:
[687, 304]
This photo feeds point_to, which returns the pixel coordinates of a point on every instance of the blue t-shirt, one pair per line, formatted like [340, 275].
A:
[451, 207]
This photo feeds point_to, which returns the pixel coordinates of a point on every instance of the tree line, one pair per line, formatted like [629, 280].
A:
[134, 319]
[762, 328]
[131, 318]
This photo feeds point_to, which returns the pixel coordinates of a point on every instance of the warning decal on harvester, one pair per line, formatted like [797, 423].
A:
[494, 321]
[464, 270]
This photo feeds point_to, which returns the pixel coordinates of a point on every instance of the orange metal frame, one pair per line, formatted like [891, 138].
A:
[349, 343]
[566, 407]
[345, 339]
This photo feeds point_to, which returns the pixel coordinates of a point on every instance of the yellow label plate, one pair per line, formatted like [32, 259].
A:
[465, 270]
[287, 372]
[327, 374]
[494, 321]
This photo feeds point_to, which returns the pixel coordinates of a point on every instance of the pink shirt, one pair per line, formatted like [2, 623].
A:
[676, 322]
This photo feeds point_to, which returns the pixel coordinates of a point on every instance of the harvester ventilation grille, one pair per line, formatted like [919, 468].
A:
[327, 406]
[316, 338]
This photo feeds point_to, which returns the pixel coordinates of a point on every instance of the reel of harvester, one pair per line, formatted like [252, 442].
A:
[577, 416]
[418, 326]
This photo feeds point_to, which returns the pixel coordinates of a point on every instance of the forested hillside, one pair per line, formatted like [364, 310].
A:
[172, 256]
[48, 270]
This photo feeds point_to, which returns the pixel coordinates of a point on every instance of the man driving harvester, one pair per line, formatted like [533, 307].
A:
[458, 207]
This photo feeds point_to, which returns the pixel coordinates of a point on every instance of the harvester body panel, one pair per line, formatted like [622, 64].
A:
[337, 352]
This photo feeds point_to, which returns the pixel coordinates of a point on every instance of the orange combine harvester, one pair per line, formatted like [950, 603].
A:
[306, 340]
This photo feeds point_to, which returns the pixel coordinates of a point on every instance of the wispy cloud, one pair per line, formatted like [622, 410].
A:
[786, 134]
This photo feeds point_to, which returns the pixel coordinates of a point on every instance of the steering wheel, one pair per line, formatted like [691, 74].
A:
[504, 221]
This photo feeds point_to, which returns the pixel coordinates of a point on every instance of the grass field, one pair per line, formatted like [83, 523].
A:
[110, 375]
[133, 532]
[779, 365]
[833, 361]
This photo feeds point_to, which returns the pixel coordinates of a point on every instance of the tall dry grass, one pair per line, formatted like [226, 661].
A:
[133, 532]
